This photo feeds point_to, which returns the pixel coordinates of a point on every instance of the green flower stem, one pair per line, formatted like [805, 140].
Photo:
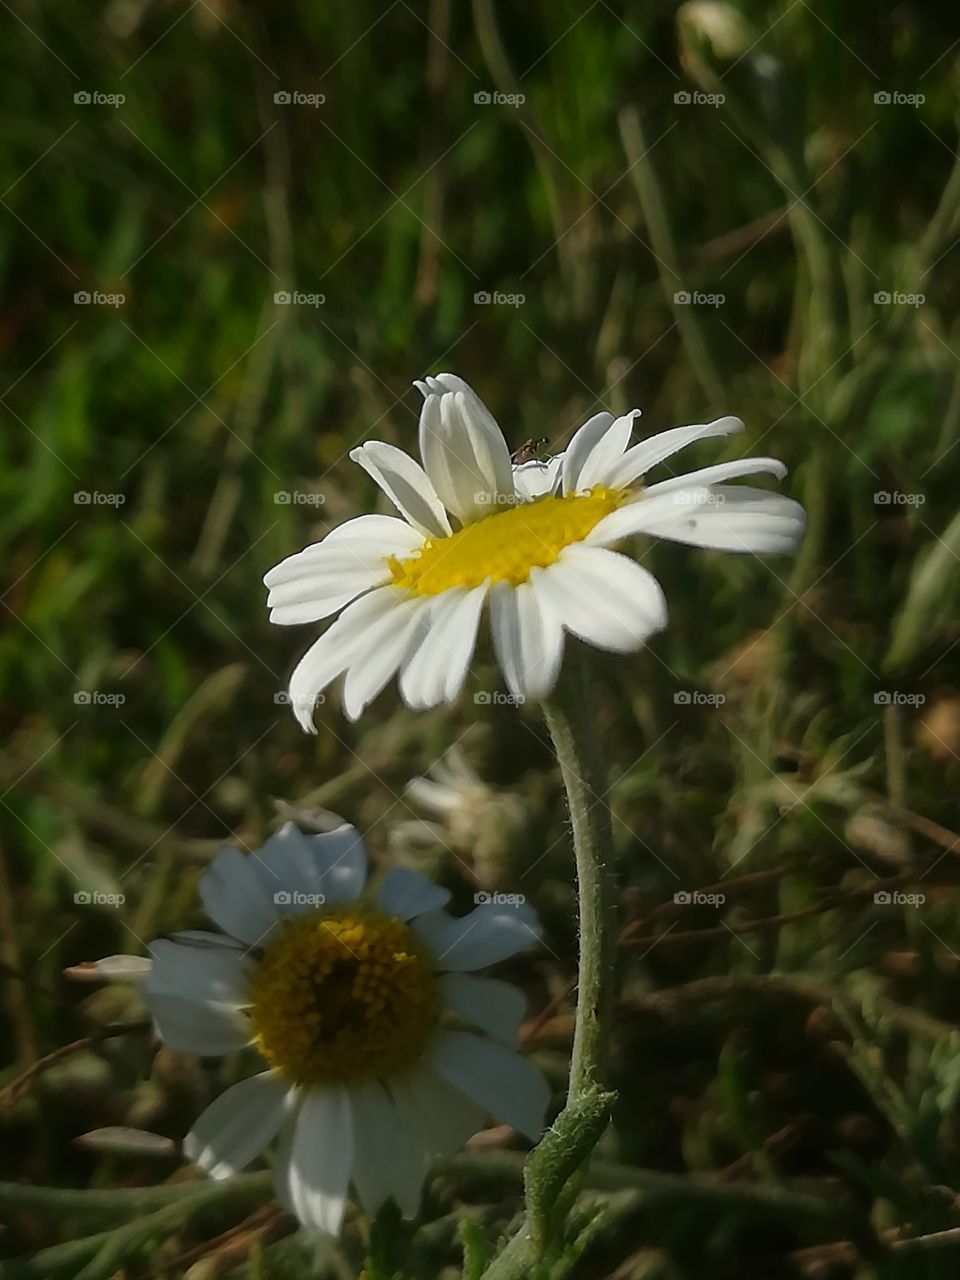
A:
[553, 1169]
[569, 717]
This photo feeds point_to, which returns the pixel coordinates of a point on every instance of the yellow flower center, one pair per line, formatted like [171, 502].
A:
[343, 996]
[506, 545]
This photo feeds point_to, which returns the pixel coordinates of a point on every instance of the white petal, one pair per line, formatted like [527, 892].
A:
[360, 542]
[233, 897]
[527, 637]
[313, 1167]
[197, 972]
[585, 440]
[536, 479]
[236, 1127]
[437, 668]
[121, 968]
[642, 513]
[195, 995]
[509, 1087]
[406, 485]
[494, 1006]
[436, 796]
[541, 637]
[204, 1028]
[490, 933]
[638, 460]
[604, 598]
[603, 460]
[463, 449]
[729, 518]
[385, 645]
[442, 1115]
[296, 869]
[388, 1159]
[405, 894]
[333, 652]
[718, 472]
[314, 598]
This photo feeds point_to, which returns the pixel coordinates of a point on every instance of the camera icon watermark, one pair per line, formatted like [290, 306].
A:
[482, 298]
[294, 98]
[497, 698]
[295, 898]
[694, 898]
[95, 698]
[895, 298]
[96, 898]
[282, 699]
[896, 98]
[895, 498]
[94, 498]
[298, 498]
[696, 98]
[686, 298]
[896, 898]
[86, 298]
[485, 899]
[94, 98]
[698, 698]
[298, 298]
[896, 698]
[494, 98]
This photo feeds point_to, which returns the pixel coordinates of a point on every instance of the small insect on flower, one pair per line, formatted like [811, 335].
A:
[381, 1047]
[529, 451]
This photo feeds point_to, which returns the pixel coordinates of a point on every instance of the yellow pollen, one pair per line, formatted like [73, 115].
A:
[505, 546]
[342, 996]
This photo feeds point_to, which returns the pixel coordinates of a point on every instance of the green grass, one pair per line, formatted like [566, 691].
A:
[199, 399]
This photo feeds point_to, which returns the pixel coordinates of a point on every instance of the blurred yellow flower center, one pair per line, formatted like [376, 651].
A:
[507, 544]
[343, 996]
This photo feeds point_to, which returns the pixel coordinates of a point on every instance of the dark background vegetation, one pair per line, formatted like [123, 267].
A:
[796, 1040]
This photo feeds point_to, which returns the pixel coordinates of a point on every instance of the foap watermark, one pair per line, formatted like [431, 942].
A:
[95, 98]
[297, 298]
[897, 698]
[894, 298]
[298, 498]
[282, 699]
[94, 498]
[694, 898]
[896, 898]
[296, 898]
[698, 498]
[494, 98]
[896, 98]
[294, 98]
[484, 899]
[86, 298]
[696, 98]
[698, 698]
[95, 698]
[497, 698]
[496, 299]
[686, 298]
[97, 898]
[896, 498]
[485, 499]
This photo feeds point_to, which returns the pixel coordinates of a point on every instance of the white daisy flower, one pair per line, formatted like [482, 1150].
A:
[533, 542]
[358, 1004]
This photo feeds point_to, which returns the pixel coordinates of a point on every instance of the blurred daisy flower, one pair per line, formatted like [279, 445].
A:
[483, 825]
[356, 1001]
[533, 542]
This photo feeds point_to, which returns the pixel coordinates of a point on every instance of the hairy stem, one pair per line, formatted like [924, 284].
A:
[556, 1163]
